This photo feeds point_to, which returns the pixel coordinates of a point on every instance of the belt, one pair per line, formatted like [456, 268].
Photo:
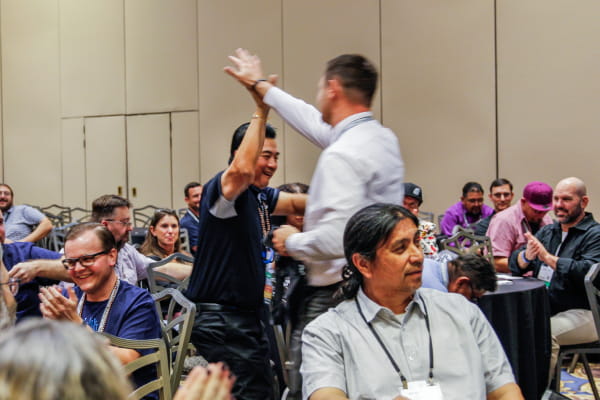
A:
[214, 307]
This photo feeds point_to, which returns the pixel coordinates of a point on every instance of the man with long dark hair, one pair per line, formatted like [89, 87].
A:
[391, 339]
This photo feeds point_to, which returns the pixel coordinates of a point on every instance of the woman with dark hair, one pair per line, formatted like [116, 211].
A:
[162, 238]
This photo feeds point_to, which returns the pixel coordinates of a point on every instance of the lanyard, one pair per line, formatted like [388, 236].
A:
[107, 309]
[387, 352]
[193, 215]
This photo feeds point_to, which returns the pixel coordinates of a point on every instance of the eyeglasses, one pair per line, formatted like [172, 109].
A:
[86, 260]
[165, 211]
[13, 285]
[124, 223]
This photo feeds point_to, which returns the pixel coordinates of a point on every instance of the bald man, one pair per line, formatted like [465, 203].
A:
[561, 254]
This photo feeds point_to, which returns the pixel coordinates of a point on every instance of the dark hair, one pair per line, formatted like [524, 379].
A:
[191, 185]
[104, 206]
[150, 247]
[240, 132]
[357, 75]
[471, 187]
[106, 237]
[365, 232]
[12, 194]
[478, 269]
[501, 182]
[295, 187]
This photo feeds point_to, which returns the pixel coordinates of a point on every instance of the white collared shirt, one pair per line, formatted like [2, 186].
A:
[339, 350]
[358, 167]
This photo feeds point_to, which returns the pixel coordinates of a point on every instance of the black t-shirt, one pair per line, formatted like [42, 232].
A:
[228, 267]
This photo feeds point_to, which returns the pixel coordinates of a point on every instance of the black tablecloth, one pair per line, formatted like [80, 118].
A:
[520, 315]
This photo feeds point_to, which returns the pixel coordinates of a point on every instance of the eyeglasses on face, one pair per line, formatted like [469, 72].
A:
[86, 260]
[13, 285]
[125, 222]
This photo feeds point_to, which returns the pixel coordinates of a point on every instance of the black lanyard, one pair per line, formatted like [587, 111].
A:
[387, 352]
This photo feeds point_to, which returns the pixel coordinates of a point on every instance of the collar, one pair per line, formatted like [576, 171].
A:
[189, 211]
[340, 127]
[372, 309]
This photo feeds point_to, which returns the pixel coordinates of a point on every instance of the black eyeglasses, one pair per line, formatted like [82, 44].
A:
[86, 261]
[13, 285]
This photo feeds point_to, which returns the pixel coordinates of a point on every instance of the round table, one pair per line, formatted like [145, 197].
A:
[520, 314]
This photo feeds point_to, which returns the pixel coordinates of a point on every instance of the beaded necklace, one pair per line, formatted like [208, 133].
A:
[264, 215]
[106, 311]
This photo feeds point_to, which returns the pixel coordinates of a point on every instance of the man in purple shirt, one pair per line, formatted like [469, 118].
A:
[507, 229]
[467, 211]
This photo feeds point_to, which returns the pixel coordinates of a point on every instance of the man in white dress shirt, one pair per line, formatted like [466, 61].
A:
[360, 165]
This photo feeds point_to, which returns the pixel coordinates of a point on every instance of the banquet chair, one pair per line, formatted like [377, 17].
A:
[177, 315]
[184, 240]
[159, 357]
[427, 216]
[464, 241]
[58, 215]
[583, 349]
[154, 276]
[143, 215]
[79, 215]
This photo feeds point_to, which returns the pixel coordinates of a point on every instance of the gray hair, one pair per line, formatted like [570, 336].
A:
[51, 360]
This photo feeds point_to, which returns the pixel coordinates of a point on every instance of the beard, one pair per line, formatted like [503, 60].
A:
[572, 216]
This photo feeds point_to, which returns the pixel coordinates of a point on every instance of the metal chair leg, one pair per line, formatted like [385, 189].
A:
[590, 376]
[573, 363]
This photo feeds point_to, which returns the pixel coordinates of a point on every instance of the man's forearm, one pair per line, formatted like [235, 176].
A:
[501, 264]
[510, 391]
[52, 269]
[40, 232]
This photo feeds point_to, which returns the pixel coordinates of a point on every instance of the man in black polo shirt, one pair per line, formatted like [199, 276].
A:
[228, 277]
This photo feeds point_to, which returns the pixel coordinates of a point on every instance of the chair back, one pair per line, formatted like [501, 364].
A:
[154, 275]
[184, 239]
[181, 212]
[426, 215]
[58, 215]
[56, 238]
[464, 241]
[592, 293]
[177, 314]
[159, 357]
[79, 214]
[143, 215]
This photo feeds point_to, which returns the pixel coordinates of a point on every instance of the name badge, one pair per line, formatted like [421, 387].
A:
[420, 390]
[545, 273]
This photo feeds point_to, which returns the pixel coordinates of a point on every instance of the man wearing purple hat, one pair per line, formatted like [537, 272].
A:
[507, 229]
[561, 254]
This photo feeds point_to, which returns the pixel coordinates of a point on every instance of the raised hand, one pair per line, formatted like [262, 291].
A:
[56, 306]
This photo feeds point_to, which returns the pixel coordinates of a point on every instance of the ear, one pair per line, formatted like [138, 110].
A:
[151, 229]
[112, 256]
[364, 266]
[584, 201]
[334, 88]
[459, 285]
[104, 222]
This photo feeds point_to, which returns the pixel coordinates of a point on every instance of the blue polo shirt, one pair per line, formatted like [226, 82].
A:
[229, 267]
[28, 303]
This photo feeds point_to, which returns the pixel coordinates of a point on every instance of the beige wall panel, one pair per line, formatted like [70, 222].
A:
[549, 92]
[438, 92]
[92, 58]
[161, 55]
[73, 163]
[31, 100]
[105, 147]
[224, 26]
[149, 160]
[314, 32]
[185, 153]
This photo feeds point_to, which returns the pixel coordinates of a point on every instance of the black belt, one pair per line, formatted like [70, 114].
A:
[214, 307]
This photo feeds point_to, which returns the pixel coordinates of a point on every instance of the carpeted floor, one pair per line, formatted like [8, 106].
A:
[576, 386]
